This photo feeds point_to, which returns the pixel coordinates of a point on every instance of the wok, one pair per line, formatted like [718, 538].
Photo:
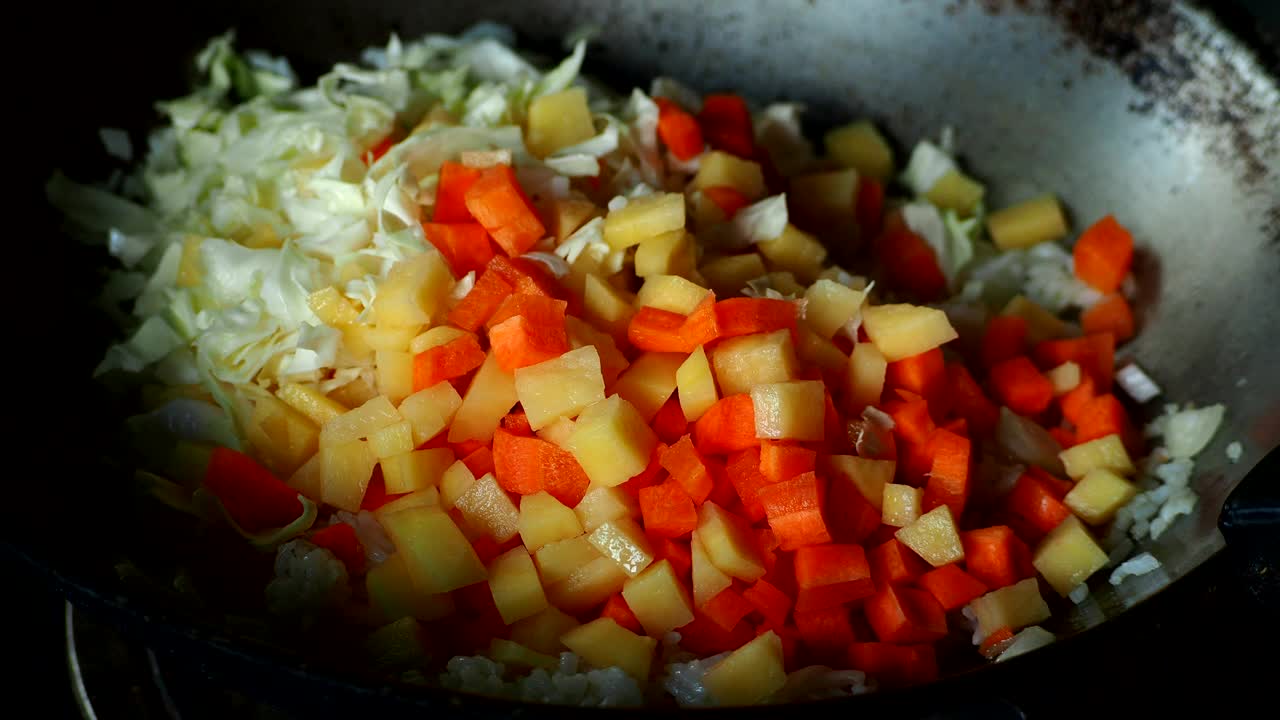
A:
[1151, 110]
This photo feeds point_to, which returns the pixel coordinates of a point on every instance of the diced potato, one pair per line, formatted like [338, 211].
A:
[696, 385]
[605, 504]
[708, 580]
[643, 218]
[360, 423]
[606, 306]
[718, 168]
[415, 470]
[900, 331]
[429, 411]
[744, 362]
[560, 387]
[612, 442]
[417, 498]
[933, 536]
[394, 374]
[438, 556]
[393, 595]
[865, 379]
[1107, 453]
[486, 506]
[862, 147]
[795, 251]
[1068, 555]
[558, 561]
[541, 633]
[310, 402]
[658, 599]
[605, 643]
[544, 520]
[649, 382]
[513, 581]
[727, 275]
[309, 479]
[1098, 495]
[869, 476]
[1041, 324]
[830, 306]
[623, 541]
[455, 482]
[956, 191]
[391, 440]
[825, 199]
[581, 334]
[671, 253]
[557, 433]
[332, 307]
[346, 469]
[750, 674]
[490, 396]
[282, 437]
[558, 120]
[729, 542]
[816, 350]
[670, 292]
[789, 410]
[1015, 606]
[1027, 223]
[415, 291]
[392, 338]
[566, 215]
[1065, 377]
[901, 504]
[355, 393]
[435, 337]
[587, 585]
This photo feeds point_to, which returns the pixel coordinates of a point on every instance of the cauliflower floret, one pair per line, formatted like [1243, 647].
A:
[308, 581]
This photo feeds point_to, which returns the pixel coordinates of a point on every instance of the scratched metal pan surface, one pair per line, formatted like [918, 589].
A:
[1149, 110]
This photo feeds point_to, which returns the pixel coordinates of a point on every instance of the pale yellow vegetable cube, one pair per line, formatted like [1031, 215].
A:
[282, 437]
[346, 469]
[429, 411]
[658, 599]
[825, 199]
[560, 387]
[541, 633]
[1068, 555]
[490, 396]
[1027, 223]
[868, 475]
[486, 506]
[607, 306]
[392, 338]
[1107, 453]
[933, 536]
[623, 541]
[605, 643]
[311, 402]
[605, 504]
[956, 191]
[415, 470]
[649, 382]
[717, 168]
[900, 331]
[671, 253]
[727, 275]
[415, 290]
[744, 362]
[795, 251]
[417, 498]
[587, 585]
[392, 594]
[435, 337]
[566, 215]
[612, 442]
[789, 410]
[862, 147]
[817, 350]
[1041, 324]
[729, 542]
[670, 292]
[1098, 495]
[354, 394]
[360, 422]
[708, 580]
[559, 560]
[643, 218]
[1065, 377]
[558, 120]
[544, 520]
[438, 556]
[332, 307]
[558, 432]
[308, 479]
[513, 581]
[696, 385]
[392, 440]
[582, 333]
[900, 504]
[454, 483]
[750, 674]
[394, 374]
[1014, 606]
[830, 306]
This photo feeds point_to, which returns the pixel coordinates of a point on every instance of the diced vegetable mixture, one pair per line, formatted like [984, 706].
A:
[601, 399]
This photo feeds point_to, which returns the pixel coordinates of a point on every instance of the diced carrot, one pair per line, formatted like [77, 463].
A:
[528, 329]
[915, 462]
[686, 466]
[525, 276]
[1111, 314]
[1055, 485]
[959, 426]
[675, 552]
[656, 330]
[1022, 386]
[850, 516]
[465, 246]
[486, 548]
[1095, 354]
[728, 199]
[778, 573]
[995, 643]
[1103, 254]
[537, 309]
[895, 665]
[1004, 338]
[565, 480]
[924, 374]
[667, 510]
[952, 587]
[722, 490]
[340, 539]
[910, 264]
[893, 563]
[446, 362]
[970, 402]
[479, 461]
[744, 473]
[905, 615]
[831, 575]
[727, 426]
[911, 419]
[702, 324]
[949, 475]
[773, 604]
[670, 422]
[496, 200]
[1065, 437]
[462, 448]
[702, 637]
[1033, 503]
[869, 206]
[825, 629]
[478, 305]
[616, 609]
[726, 124]
[727, 609]
[517, 423]
[781, 461]
[747, 316]
[794, 510]
[1100, 417]
[375, 495]
[1073, 401]
[679, 131]
[526, 465]
[451, 190]
[651, 475]
[991, 555]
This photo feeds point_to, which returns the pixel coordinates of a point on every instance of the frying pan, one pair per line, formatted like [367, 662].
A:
[1151, 110]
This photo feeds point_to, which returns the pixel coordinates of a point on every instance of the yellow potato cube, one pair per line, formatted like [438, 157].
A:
[1098, 495]
[514, 583]
[900, 331]
[544, 520]
[658, 599]
[623, 541]
[1107, 453]
[750, 674]
[956, 191]
[865, 379]
[643, 218]
[541, 633]
[816, 350]
[1068, 555]
[514, 654]
[558, 432]
[429, 411]
[558, 561]
[1027, 223]
[605, 504]
[1065, 377]
[708, 580]
[392, 440]
[587, 585]
[795, 251]
[557, 121]
[360, 423]
[566, 215]
[869, 476]
[744, 362]
[789, 410]
[900, 504]
[417, 498]
[490, 396]
[436, 553]
[1015, 606]
[308, 479]
[612, 442]
[1041, 324]
[670, 292]
[825, 199]
[605, 643]
[671, 253]
[718, 168]
[729, 542]
[282, 437]
[392, 338]
[560, 387]
[332, 307]
[727, 275]
[310, 402]
[454, 483]
[649, 382]
[394, 372]
[830, 306]
[581, 334]
[346, 470]
[415, 291]
[392, 594]
[933, 536]
[607, 307]
[861, 146]
[354, 394]
[696, 385]
[415, 470]
[486, 506]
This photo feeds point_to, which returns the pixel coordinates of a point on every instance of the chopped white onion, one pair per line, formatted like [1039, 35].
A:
[1139, 564]
[1079, 594]
[1188, 432]
[1137, 383]
[553, 263]
[1234, 452]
